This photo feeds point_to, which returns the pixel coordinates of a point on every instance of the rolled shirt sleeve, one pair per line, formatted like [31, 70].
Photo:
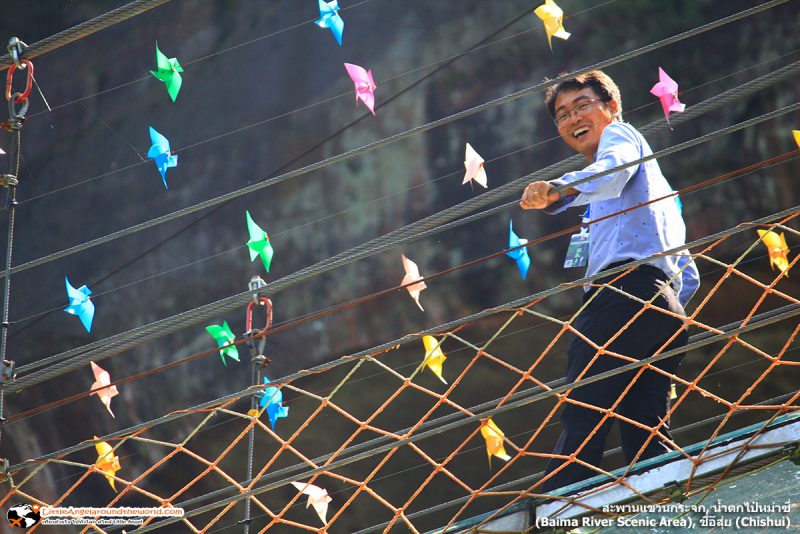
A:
[618, 146]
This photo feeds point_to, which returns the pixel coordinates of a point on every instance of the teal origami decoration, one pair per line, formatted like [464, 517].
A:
[259, 243]
[519, 255]
[329, 18]
[223, 336]
[168, 72]
[80, 304]
[272, 400]
[160, 153]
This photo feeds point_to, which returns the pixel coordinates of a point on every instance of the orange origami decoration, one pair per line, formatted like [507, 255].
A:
[494, 441]
[777, 247]
[107, 461]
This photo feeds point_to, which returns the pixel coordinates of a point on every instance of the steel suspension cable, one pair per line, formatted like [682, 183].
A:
[37, 316]
[291, 473]
[121, 342]
[84, 29]
[532, 478]
[523, 397]
[518, 303]
[392, 139]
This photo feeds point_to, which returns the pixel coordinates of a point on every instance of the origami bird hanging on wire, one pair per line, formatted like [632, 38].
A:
[434, 357]
[667, 91]
[777, 248]
[107, 461]
[80, 304]
[329, 18]
[224, 336]
[365, 85]
[102, 387]
[473, 165]
[160, 153]
[272, 400]
[168, 71]
[412, 274]
[553, 18]
[259, 243]
[317, 497]
[519, 255]
[494, 441]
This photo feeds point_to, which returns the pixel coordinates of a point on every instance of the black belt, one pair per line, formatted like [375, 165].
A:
[645, 267]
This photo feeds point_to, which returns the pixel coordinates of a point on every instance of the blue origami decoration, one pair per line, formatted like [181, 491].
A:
[519, 255]
[159, 151]
[329, 18]
[80, 304]
[272, 399]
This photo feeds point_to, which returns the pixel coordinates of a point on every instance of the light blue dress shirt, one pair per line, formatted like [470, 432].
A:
[641, 232]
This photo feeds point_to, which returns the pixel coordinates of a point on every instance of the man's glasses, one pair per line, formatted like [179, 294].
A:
[578, 110]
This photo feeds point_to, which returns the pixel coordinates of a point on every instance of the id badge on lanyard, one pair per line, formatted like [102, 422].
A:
[578, 250]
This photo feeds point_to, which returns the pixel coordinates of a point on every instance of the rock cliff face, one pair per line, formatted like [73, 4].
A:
[264, 94]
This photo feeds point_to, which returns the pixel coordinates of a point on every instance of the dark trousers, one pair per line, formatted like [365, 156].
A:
[648, 399]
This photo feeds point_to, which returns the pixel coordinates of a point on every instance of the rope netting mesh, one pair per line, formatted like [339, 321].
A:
[397, 448]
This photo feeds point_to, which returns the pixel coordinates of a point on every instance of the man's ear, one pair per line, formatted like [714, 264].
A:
[614, 107]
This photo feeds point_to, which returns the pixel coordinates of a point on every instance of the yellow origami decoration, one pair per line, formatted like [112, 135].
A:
[796, 134]
[107, 461]
[494, 441]
[434, 357]
[777, 247]
[553, 18]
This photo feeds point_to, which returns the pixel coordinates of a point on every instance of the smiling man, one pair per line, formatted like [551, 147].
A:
[587, 111]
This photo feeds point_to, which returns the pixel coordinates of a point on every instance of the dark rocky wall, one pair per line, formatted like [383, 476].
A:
[246, 112]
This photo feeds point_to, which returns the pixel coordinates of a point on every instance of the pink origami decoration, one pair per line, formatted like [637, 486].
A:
[473, 163]
[101, 387]
[412, 275]
[365, 85]
[317, 497]
[667, 91]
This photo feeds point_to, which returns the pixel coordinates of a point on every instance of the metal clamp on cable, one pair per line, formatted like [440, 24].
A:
[17, 116]
[258, 354]
[15, 46]
[255, 284]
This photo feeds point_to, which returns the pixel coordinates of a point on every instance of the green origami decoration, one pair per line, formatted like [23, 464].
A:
[168, 72]
[223, 336]
[259, 243]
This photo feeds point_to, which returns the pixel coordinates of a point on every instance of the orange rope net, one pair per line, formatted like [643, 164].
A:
[396, 449]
